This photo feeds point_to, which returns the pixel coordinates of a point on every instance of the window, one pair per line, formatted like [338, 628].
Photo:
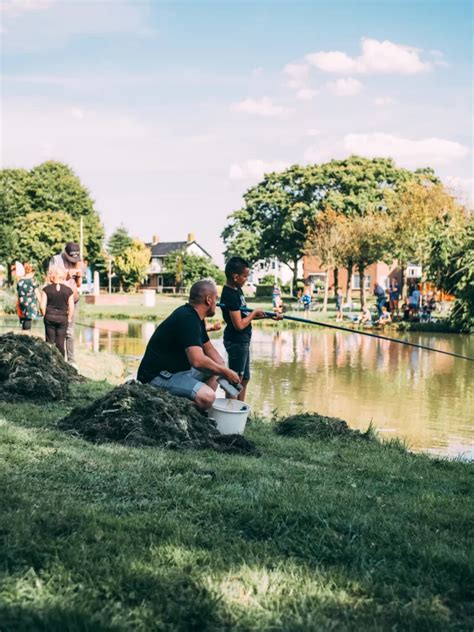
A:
[356, 282]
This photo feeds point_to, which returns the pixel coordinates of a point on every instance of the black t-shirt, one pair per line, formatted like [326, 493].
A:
[166, 349]
[233, 301]
[57, 303]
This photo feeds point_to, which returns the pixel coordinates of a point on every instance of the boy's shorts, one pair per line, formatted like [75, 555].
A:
[239, 357]
[182, 384]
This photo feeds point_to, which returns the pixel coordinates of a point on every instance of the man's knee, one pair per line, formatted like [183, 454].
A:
[205, 397]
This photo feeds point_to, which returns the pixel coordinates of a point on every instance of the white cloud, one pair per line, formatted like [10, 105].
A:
[377, 57]
[260, 107]
[345, 87]
[406, 151]
[297, 74]
[255, 169]
[383, 101]
[257, 72]
[306, 94]
[313, 131]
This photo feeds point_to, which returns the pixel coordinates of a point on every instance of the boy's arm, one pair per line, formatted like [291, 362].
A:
[240, 322]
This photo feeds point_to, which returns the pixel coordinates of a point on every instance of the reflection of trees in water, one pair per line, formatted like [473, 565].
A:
[419, 393]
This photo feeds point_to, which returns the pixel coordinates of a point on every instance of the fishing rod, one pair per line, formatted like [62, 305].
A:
[247, 310]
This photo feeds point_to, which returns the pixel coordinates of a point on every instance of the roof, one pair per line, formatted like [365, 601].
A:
[163, 248]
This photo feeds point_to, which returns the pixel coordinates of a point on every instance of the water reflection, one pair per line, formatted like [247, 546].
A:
[425, 398]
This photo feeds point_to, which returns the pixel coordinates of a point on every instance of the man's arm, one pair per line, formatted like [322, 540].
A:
[199, 360]
[211, 352]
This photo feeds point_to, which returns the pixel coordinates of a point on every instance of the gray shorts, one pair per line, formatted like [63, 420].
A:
[239, 357]
[184, 383]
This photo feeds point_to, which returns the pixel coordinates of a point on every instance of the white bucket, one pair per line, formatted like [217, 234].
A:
[230, 415]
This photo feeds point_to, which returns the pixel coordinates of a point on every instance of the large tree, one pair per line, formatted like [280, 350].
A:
[49, 187]
[14, 206]
[368, 239]
[328, 240]
[272, 222]
[44, 236]
[451, 266]
[415, 209]
[278, 212]
[119, 240]
[132, 264]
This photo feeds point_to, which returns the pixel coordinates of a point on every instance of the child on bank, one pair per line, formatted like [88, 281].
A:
[57, 306]
[238, 331]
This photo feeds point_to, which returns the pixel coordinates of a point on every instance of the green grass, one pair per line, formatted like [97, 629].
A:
[327, 534]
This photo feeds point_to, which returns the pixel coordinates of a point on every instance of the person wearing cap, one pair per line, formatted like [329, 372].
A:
[71, 261]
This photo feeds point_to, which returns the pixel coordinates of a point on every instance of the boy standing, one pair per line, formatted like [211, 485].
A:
[238, 332]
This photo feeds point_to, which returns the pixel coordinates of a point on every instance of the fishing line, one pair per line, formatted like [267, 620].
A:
[362, 333]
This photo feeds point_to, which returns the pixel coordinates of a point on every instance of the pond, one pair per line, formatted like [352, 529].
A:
[424, 398]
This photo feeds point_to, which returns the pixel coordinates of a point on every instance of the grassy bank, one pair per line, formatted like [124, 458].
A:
[314, 535]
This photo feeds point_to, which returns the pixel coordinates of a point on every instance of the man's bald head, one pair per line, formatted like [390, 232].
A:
[204, 293]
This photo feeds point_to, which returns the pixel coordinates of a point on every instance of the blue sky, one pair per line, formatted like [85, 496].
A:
[169, 111]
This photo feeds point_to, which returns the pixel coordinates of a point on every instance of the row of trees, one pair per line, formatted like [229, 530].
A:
[350, 213]
[41, 209]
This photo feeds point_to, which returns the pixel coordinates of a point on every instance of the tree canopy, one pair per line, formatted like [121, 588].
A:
[119, 241]
[279, 211]
[186, 269]
[51, 187]
[132, 264]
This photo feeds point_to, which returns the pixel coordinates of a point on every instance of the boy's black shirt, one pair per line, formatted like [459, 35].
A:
[166, 349]
[233, 301]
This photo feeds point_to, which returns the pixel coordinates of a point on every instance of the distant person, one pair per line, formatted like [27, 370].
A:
[179, 356]
[339, 300]
[57, 307]
[70, 260]
[276, 297]
[380, 300]
[29, 297]
[306, 300]
[385, 317]
[414, 299]
[238, 331]
[364, 318]
[394, 296]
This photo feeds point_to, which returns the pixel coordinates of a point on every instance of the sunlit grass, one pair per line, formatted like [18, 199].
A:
[330, 534]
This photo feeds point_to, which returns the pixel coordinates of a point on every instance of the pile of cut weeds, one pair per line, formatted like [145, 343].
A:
[32, 369]
[315, 426]
[141, 415]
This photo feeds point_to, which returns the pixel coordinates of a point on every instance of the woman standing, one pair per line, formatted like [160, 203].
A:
[28, 297]
[57, 306]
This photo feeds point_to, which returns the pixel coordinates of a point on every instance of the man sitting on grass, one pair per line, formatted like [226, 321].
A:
[180, 357]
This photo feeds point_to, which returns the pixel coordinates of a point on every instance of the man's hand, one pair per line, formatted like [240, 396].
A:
[258, 313]
[277, 316]
[232, 376]
[214, 326]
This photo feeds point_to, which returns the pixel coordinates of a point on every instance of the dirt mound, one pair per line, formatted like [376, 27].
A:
[142, 415]
[315, 426]
[32, 369]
